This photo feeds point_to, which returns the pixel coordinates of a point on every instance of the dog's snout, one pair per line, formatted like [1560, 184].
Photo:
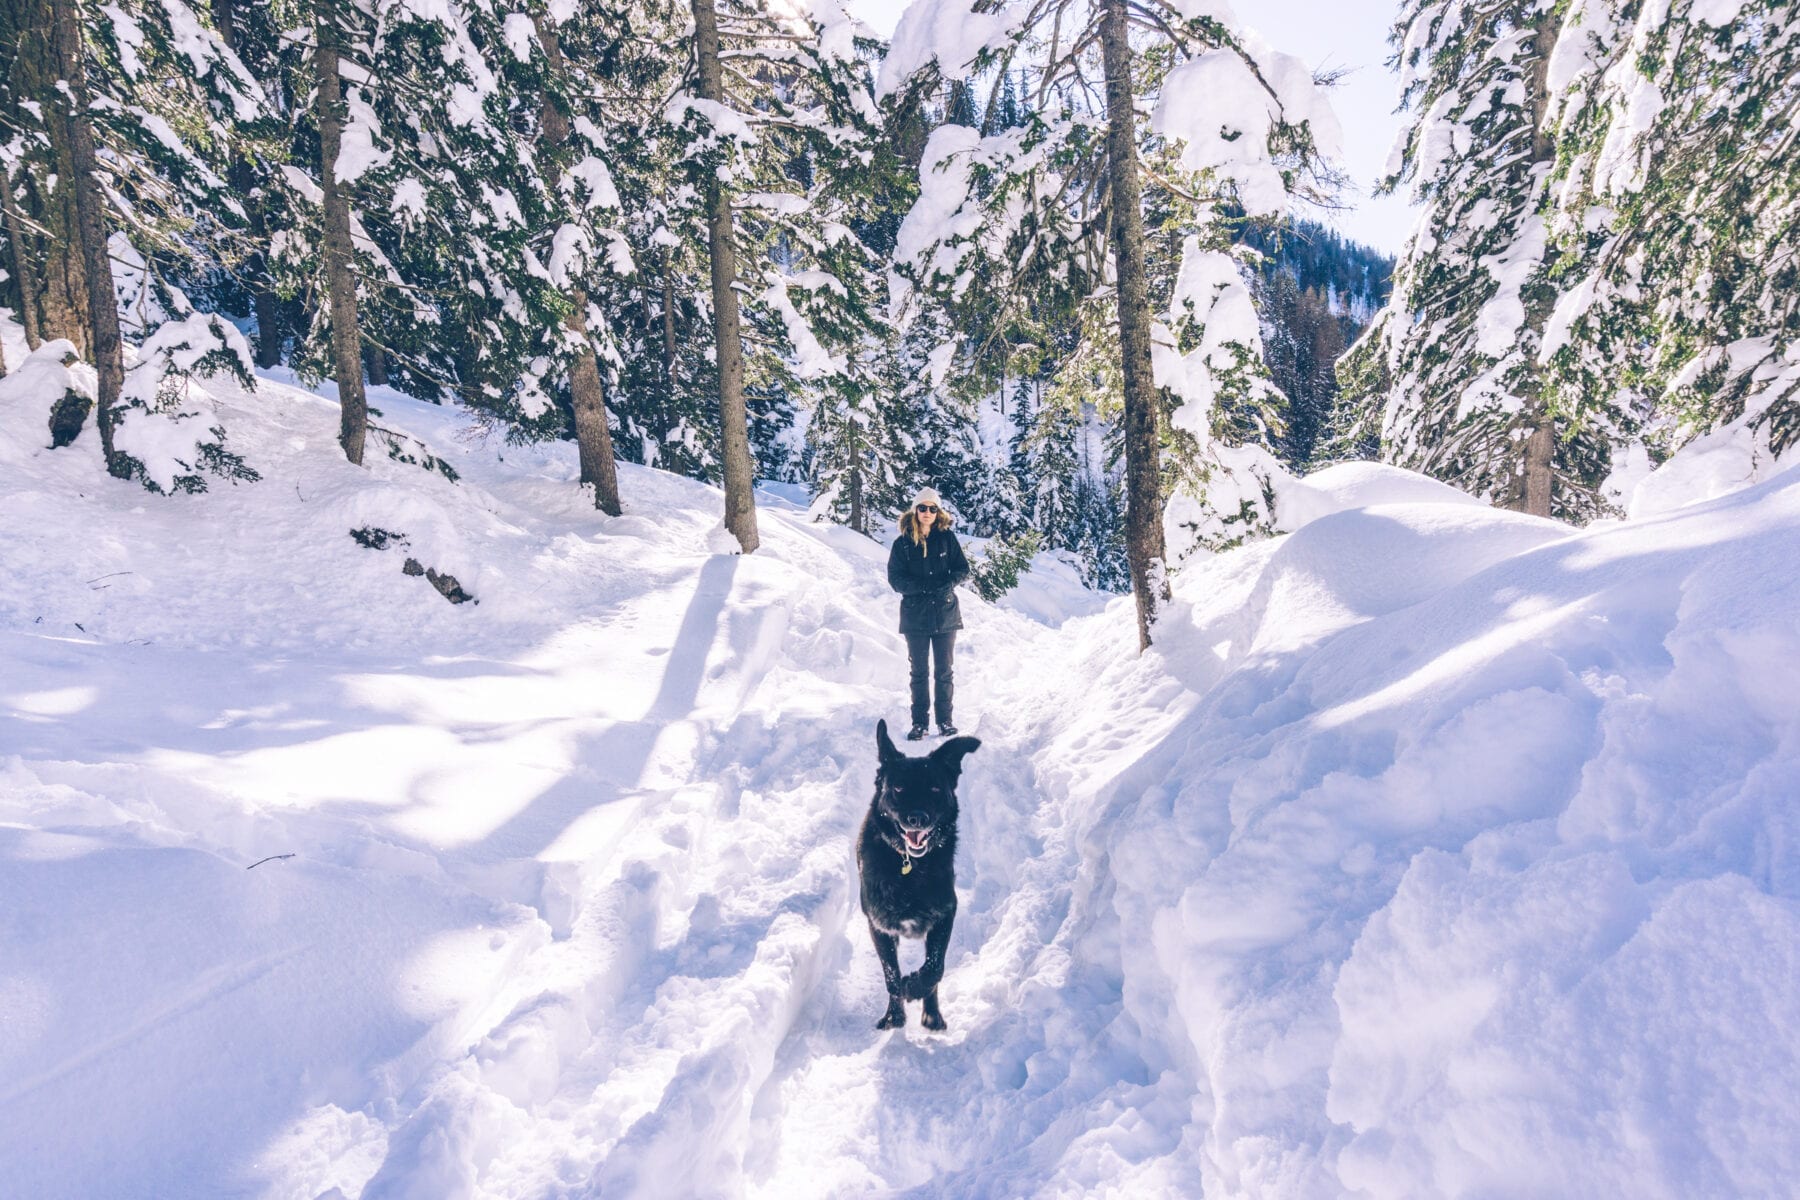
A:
[915, 819]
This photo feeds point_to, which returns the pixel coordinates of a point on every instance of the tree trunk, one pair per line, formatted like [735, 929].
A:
[857, 520]
[340, 282]
[1536, 484]
[264, 302]
[1144, 547]
[375, 366]
[668, 322]
[1540, 451]
[24, 272]
[90, 206]
[740, 482]
[62, 305]
[593, 440]
[271, 330]
[33, 74]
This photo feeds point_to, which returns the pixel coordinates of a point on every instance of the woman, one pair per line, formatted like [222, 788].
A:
[924, 566]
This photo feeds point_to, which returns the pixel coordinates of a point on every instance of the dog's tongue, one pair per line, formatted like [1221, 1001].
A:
[915, 841]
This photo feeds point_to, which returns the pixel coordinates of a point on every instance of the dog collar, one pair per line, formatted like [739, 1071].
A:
[907, 857]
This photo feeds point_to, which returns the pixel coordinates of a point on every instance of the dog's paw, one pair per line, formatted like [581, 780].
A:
[894, 1018]
[933, 1021]
[916, 986]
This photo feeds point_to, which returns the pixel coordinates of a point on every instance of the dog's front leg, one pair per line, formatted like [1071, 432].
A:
[924, 983]
[888, 952]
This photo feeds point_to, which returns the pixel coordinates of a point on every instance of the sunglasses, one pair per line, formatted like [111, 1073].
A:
[928, 508]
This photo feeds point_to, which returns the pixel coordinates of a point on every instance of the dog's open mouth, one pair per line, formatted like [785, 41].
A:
[916, 839]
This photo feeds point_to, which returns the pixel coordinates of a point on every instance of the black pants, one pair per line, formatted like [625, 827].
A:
[942, 648]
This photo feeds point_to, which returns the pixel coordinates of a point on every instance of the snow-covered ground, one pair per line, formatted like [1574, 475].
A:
[1434, 851]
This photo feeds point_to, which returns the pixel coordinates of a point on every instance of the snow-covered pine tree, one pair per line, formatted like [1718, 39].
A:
[859, 450]
[850, 368]
[667, 398]
[249, 281]
[962, 445]
[566, 59]
[956, 384]
[1453, 360]
[721, 124]
[1054, 207]
[1099, 545]
[1677, 204]
[120, 120]
[1050, 445]
[414, 205]
[761, 139]
[315, 64]
[889, 420]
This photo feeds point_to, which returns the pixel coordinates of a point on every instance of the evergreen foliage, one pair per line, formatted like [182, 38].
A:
[1459, 340]
[931, 285]
[1607, 252]
[1005, 560]
[1675, 213]
[1069, 195]
[156, 101]
[1316, 292]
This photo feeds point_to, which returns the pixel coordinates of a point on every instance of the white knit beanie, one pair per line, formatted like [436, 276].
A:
[928, 496]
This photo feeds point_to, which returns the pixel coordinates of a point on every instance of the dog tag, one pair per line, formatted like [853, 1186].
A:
[906, 864]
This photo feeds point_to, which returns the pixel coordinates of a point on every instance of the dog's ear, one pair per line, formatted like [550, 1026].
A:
[950, 755]
[884, 745]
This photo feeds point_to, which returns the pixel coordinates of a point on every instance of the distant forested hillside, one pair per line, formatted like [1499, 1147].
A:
[1316, 292]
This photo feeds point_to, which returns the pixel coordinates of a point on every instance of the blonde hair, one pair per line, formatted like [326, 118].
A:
[909, 524]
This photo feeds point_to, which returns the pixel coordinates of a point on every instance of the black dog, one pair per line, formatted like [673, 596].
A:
[907, 856]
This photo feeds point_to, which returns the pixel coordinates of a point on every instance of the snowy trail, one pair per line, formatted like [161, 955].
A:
[1031, 1056]
[753, 1019]
[688, 932]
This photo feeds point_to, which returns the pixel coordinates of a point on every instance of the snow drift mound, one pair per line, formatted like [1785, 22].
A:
[1352, 485]
[1439, 852]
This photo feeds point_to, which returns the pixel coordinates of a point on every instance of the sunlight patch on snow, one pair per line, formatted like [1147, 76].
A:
[57, 702]
[1528, 620]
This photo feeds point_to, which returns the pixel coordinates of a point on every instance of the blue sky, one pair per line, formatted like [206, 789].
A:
[1346, 34]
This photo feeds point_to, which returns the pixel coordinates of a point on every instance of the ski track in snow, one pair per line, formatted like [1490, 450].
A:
[572, 908]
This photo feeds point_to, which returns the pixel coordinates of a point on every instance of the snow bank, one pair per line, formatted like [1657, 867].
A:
[1349, 485]
[1725, 460]
[1437, 852]
[1051, 592]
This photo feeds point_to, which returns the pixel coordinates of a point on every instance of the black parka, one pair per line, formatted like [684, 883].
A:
[926, 578]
